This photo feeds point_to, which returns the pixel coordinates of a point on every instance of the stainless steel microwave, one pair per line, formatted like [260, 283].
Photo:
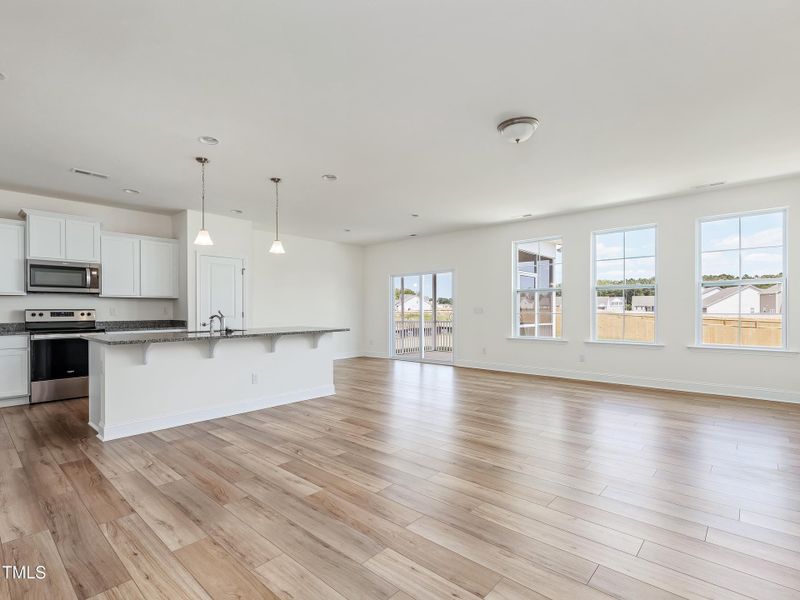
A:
[63, 277]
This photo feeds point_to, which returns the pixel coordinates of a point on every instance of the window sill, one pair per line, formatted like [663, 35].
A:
[623, 343]
[537, 339]
[755, 349]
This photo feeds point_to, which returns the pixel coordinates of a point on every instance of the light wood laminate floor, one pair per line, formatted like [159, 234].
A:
[414, 481]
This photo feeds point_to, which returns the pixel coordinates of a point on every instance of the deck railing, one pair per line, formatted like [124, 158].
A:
[438, 336]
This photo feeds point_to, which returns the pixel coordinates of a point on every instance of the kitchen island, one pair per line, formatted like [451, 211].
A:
[141, 382]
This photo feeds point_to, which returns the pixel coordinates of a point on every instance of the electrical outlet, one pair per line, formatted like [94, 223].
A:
[164, 310]
[112, 311]
[254, 378]
[581, 358]
[483, 350]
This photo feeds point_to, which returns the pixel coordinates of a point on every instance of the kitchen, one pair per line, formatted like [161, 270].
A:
[72, 270]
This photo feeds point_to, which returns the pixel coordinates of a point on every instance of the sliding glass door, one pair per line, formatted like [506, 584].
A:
[422, 311]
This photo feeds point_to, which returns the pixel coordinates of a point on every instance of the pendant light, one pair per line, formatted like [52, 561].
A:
[203, 238]
[277, 245]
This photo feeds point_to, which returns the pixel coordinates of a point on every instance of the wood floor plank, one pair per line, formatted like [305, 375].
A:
[44, 475]
[206, 480]
[511, 590]
[19, 512]
[418, 581]
[166, 520]
[289, 580]
[125, 591]
[101, 498]
[457, 569]
[149, 465]
[349, 578]
[236, 537]
[220, 574]
[33, 551]
[90, 563]
[156, 571]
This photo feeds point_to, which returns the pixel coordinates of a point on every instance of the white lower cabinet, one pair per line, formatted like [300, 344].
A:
[13, 366]
[139, 267]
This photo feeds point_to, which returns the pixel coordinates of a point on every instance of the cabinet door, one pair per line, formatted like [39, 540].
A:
[12, 258]
[82, 241]
[46, 237]
[13, 373]
[120, 273]
[159, 269]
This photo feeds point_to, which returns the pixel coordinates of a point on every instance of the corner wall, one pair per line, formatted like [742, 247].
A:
[482, 260]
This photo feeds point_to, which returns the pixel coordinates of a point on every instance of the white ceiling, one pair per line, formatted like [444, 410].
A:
[400, 99]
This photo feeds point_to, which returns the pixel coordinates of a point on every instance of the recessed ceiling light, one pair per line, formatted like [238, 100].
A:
[525, 216]
[237, 211]
[412, 235]
[330, 177]
[518, 129]
[208, 140]
[3, 77]
[347, 231]
[415, 215]
[130, 191]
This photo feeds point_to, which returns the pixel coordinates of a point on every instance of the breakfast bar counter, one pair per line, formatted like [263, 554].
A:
[141, 382]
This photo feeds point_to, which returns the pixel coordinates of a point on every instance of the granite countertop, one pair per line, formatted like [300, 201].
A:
[120, 339]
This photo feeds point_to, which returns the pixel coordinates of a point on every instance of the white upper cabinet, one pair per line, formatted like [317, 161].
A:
[139, 267]
[120, 266]
[12, 257]
[159, 268]
[61, 237]
[46, 236]
[82, 241]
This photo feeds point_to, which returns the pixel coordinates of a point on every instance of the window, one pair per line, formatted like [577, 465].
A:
[625, 285]
[538, 271]
[741, 292]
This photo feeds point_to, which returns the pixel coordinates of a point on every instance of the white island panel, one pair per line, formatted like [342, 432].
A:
[180, 384]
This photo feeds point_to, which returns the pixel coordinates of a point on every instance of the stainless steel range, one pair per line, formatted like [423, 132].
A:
[59, 358]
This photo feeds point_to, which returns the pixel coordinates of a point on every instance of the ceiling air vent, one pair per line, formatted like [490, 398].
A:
[89, 173]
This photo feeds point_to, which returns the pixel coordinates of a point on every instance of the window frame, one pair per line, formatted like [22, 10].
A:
[624, 287]
[784, 281]
[516, 290]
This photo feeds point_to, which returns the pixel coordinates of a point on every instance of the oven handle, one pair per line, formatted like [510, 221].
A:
[88, 278]
[57, 336]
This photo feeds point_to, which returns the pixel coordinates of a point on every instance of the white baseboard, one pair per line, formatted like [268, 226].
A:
[718, 389]
[112, 432]
[19, 400]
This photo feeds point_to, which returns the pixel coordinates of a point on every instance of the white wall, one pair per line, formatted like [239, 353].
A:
[482, 259]
[113, 219]
[314, 283]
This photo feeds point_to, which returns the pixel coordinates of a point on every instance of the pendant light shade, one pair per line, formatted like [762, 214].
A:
[277, 245]
[203, 237]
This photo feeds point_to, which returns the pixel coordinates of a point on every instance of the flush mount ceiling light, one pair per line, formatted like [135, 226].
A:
[518, 129]
[203, 238]
[208, 140]
[130, 191]
[277, 245]
[330, 177]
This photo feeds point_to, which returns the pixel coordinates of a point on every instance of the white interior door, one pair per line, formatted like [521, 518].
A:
[219, 288]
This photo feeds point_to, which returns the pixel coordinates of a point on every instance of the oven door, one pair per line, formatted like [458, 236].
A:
[50, 276]
[59, 367]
